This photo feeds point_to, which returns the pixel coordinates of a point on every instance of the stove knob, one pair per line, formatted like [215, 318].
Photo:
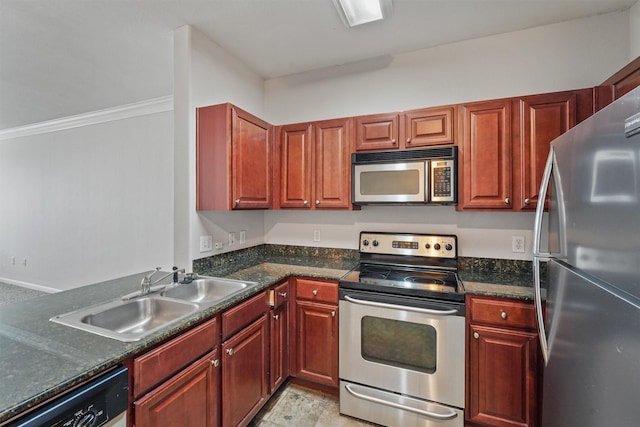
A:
[436, 246]
[365, 242]
[375, 243]
[448, 246]
[427, 246]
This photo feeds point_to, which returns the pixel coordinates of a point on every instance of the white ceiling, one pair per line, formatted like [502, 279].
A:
[64, 57]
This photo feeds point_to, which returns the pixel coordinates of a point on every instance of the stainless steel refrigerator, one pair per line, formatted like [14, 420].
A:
[587, 256]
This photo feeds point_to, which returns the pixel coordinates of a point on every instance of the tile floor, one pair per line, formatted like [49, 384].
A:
[298, 406]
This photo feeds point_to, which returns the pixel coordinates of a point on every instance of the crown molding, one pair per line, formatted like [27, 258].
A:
[151, 106]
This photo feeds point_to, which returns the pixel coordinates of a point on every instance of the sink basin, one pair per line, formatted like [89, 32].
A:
[206, 290]
[129, 320]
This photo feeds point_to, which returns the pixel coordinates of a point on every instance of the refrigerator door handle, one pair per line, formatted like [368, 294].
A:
[538, 256]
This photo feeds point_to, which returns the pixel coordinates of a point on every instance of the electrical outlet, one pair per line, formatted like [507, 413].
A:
[232, 238]
[219, 245]
[316, 235]
[243, 237]
[206, 243]
[517, 244]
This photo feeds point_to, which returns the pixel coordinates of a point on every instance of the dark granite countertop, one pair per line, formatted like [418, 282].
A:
[40, 359]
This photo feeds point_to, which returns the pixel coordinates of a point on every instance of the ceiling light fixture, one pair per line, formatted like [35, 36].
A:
[357, 12]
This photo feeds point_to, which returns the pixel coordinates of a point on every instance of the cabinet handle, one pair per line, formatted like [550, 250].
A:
[476, 335]
[315, 292]
[276, 316]
[507, 200]
[333, 314]
[503, 314]
[237, 201]
[393, 141]
[408, 140]
[230, 351]
[527, 201]
[215, 363]
[317, 202]
[282, 294]
[306, 202]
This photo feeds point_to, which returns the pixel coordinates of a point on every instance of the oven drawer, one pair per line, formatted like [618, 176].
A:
[502, 312]
[395, 410]
[315, 290]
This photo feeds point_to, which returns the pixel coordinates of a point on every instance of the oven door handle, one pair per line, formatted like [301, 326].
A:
[434, 415]
[401, 307]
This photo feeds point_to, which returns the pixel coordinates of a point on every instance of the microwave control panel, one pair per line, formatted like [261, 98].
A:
[443, 181]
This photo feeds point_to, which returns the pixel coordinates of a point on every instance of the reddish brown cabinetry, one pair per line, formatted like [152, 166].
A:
[406, 130]
[315, 333]
[485, 178]
[502, 363]
[177, 384]
[279, 338]
[315, 165]
[244, 361]
[234, 159]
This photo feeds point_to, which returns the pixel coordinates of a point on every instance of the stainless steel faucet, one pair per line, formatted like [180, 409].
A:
[145, 285]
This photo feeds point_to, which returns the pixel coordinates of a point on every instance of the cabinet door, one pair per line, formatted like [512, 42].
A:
[189, 399]
[485, 178]
[501, 385]
[332, 164]
[279, 349]
[295, 166]
[544, 118]
[244, 374]
[251, 161]
[428, 126]
[377, 132]
[317, 343]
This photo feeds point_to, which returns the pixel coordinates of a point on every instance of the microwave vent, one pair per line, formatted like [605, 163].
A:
[392, 156]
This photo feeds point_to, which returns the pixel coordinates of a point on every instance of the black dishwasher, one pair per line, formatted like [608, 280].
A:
[100, 402]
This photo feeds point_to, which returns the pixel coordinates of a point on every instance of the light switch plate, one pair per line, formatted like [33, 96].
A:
[206, 243]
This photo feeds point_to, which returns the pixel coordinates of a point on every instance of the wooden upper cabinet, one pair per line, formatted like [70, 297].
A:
[406, 130]
[234, 159]
[428, 126]
[543, 118]
[295, 165]
[377, 132]
[315, 165]
[332, 164]
[619, 84]
[485, 155]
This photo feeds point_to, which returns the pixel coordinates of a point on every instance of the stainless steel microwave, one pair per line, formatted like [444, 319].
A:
[426, 176]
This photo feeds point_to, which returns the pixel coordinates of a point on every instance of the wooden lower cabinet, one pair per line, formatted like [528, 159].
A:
[502, 363]
[245, 368]
[279, 337]
[316, 332]
[178, 383]
[190, 399]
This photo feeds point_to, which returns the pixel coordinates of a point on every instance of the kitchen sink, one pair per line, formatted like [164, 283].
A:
[129, 320]
[206, 290]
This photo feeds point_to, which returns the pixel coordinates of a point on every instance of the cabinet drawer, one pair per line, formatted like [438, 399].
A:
[243, 314]
[157, 365]
[279, 295]
[502, 312]
[314, 290]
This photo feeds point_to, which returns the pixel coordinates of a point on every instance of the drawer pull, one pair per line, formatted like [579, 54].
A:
[476, 335]
[215, 363]
[333, 314]
[282, 294]
[276, 316]
[315, 292]
[230, 351]
[504, 315]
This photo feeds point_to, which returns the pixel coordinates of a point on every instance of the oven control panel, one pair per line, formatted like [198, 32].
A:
[425, 245]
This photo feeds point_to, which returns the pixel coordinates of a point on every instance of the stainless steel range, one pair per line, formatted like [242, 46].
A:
[402, 332]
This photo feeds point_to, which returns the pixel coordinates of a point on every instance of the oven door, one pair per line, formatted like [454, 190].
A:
[401, 182]
[403, 345]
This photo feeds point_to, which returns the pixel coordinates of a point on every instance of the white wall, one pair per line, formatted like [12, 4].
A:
[86, 204]
[207, 75]
[634, 32]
